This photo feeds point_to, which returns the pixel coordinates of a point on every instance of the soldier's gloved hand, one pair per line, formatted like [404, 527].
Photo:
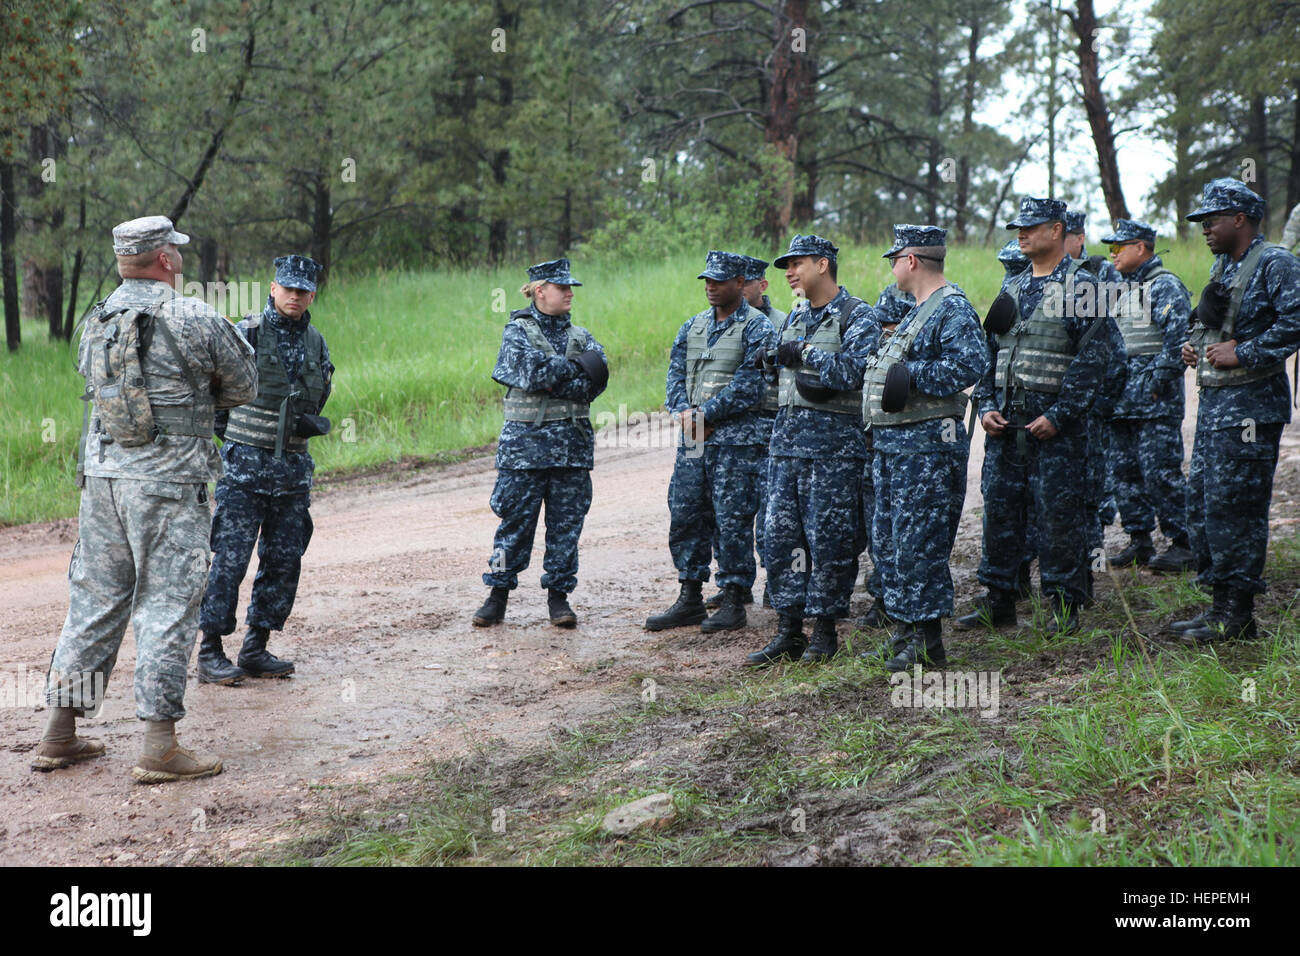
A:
[1213, 307]
[765, 359]
[790, 354]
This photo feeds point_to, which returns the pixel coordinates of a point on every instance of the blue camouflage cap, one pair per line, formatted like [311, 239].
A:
[1035, 212]
[720, 266]
[556, 272]
[754, 268]
[1074, 221]
[297, 272]
[1131, 230]
[1228, 195]
[906, 237]
[1010, 254]
[814, 246]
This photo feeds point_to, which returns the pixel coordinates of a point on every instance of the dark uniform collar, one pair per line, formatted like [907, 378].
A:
[1145, 269]
[551, 321]
[277, 320]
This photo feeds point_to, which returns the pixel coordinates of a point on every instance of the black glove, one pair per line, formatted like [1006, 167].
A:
[898, 383]
[1213, 307]
[1002, 314]
[765, 359]
[790, 354]
[593, 364]
[311, 426]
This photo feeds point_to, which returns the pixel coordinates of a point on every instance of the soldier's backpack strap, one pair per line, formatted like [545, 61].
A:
[846, 314]
[196, 387]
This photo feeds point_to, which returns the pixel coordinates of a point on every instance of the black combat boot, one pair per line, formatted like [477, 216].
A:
[924, 647]
[997, 608]
[730, 615]
[875, 617]
[1065, 617]
[716, 600]
[687, 609]
[493, 610]
[1217, 609]
[214, 666]
[1175, 559]
[557, 605]
[824, 645]
[257, 661]
[788, 645]
[1235, 622]
[1025, 581]
[896, 641]
[1140, 550]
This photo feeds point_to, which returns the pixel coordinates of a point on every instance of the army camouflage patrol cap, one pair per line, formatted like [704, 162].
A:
[906, 237]
[297, 272]
[556, 271]
[1035, 211]
[721, 266]
[754, 268]
[1074, 221]
[148, 232]
[1131, 230]
[810, 245]
[1228, 195]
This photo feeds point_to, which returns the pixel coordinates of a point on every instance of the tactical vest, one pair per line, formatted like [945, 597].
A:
[542, 407]
[270, 420]
[1207, 376]
[920, 407]
[828, 338]
[772, 389]
[1142, 336]
[710, 368]
[1035, 353]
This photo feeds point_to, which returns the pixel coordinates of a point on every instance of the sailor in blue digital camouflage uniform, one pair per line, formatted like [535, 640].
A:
[715, 388]
[1050, 351]
[1013, 263]
[814, 511]
[1099, 484]
[914, 388]
[1145, 450]
[264, 496]
[1244, 326]
[552, 371]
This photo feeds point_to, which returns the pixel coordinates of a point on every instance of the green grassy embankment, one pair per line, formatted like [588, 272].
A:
[415, 352]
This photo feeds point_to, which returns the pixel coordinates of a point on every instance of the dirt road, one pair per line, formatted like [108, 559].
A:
[389, 670]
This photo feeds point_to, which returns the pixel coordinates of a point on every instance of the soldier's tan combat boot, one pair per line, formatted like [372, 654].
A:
[60, 746]
[165, 760]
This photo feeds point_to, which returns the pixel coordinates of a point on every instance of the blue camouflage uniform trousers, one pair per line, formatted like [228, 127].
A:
[875, 580]
[814, 534]
[712, 500]
[1096, 481]
[1231, 477]
[1146, 457]
[517, 499]
[760, 516]
[285, 527]
[1048, 475]
[918, 508]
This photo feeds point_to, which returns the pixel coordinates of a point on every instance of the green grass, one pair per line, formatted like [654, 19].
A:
[1108, 751]
[415, 352]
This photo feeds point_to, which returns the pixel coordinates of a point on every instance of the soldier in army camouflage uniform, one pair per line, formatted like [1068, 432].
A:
[142, 546]
[1047, 367]
[1146, 427]
[920, 443]
[814, 519]
[715, 387]
[265, 495]
[552, 370]
[1244, 326]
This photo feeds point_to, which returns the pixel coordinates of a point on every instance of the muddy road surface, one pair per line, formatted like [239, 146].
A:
[389, 670]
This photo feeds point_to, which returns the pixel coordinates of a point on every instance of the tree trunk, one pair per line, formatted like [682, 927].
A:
[8, 262]
[1293, 178]
[207, 259]
[1257, 143]
[1184, 191]
[1094, 102]
[790, 95]
[498, 226]
[934, 151]
[321, 223]
[967, 128]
